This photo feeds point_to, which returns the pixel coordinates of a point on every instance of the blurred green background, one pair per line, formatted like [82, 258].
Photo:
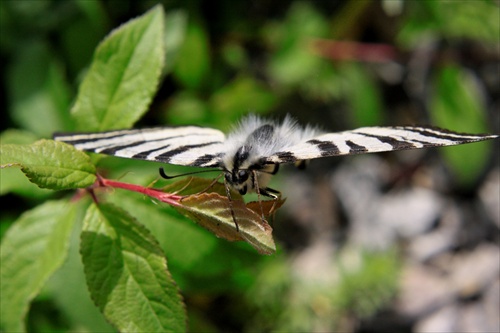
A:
[336, 64]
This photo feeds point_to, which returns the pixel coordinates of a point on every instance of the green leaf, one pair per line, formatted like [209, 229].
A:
[31, 251]
[203, 264]
[127, 273]
[456, 105]
[85, 317]
[50, 164]
[13, 180]
[172, 231]
[193, 64]
[123, 76]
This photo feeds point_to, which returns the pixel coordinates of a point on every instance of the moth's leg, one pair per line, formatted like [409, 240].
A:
[150, 185]
[267, 168]
[271, 193]
[184, 187]
[255, 184]
[202, 191]
[213, 183]
[231, 207]
[276, 169]
[267, 191]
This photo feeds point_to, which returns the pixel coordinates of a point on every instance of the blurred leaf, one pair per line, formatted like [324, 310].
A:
[186, 108]
[124, 74]
[19, 19]
[235, 55]
[175, 33]
[293, 63]
[325, 84]
[127, 273]
[17, 136]
[38, 92]
[80, 38]
[241, 96]
[193, 64]
[13, 180]
[292, 66]
[78, 42]
[95, 13]
[33, 248]
[270, 294]
[451, 19]
[363, 96]
[50, 164]
[456, 105]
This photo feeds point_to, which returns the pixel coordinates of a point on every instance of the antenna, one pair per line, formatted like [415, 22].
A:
[165, 176]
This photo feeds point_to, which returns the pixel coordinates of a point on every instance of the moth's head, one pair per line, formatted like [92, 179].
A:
[240, 180]
[241, 169]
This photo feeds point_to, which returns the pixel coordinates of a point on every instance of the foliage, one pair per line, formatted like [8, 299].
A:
[50, 164]
[37, 234]
[186, 66]
[126, 270]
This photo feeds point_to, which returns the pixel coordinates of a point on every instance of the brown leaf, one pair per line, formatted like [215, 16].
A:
[213, 212]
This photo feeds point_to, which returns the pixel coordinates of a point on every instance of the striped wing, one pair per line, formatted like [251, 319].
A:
[190, 145]
[372, 140]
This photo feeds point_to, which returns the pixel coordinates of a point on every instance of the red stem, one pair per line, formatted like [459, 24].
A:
[171, 199]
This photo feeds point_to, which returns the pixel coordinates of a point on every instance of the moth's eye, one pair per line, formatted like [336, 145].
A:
[227, 175]
[242, 175]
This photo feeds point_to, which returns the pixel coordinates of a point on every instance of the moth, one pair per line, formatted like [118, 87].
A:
[255, 148]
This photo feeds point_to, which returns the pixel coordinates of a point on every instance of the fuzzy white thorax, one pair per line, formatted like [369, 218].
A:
[286, 134]
[254, 139]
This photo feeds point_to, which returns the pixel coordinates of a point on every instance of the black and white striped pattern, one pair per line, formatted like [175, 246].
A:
[250, 153]
[191, 145]
[373, 140]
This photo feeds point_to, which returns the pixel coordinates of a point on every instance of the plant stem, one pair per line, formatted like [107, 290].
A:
[169, 198]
